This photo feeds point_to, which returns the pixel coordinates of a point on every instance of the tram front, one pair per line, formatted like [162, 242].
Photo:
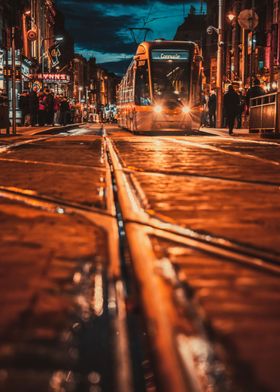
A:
[173, 85]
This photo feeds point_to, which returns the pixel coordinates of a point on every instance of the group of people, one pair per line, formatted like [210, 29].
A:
[235, 104]
[232, 103]
[44, 108]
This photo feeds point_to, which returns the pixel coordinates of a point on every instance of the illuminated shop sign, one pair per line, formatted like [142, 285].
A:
[52, 77]
[173, 55]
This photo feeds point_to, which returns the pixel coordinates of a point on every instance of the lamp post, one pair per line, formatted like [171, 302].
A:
[220, 54]
[13, 31]
[220, 51]
[80, 93]
[232, 20]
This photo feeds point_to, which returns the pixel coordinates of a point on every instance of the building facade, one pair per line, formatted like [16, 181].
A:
[45, 56]
[250, 52]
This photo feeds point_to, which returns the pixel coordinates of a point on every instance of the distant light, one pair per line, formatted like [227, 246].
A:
[158, 108]
[59, 39]
[186, 109]
[28, 12]
[231, 16]
[60, 210]
[274, 85]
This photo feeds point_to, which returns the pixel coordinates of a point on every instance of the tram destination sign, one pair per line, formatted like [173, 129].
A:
[170, 54]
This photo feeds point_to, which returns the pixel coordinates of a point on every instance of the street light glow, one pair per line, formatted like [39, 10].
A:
[231, 16]
[158, 108]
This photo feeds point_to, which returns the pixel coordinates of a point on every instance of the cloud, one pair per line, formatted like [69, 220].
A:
[94, 30]
[100, 28]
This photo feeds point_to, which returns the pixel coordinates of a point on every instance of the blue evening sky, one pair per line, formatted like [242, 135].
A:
[100, 28]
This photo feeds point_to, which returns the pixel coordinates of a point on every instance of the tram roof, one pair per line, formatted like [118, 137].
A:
[147, 45]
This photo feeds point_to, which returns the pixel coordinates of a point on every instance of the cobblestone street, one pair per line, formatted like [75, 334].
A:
[70, 287]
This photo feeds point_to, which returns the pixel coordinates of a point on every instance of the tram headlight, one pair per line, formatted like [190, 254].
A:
[186, 109]
[158, 108]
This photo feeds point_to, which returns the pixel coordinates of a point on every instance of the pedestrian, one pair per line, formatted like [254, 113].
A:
[57, 110]
[204, 114]
[24, 107]
[255, 91]
[41, 109]
[33, 106]
[49, 107]
[241, 109]
[212, 106]
[231, 106]
[64, 111]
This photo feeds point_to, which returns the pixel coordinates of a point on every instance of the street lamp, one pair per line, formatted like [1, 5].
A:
[220, 32]
[231, 16]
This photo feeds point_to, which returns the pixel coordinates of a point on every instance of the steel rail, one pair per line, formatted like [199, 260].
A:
[116, 290]
[107, 220]
[47, 163]
[222, 247]
[174, 173]
[221, 150]
[173, 372]
[161, 296]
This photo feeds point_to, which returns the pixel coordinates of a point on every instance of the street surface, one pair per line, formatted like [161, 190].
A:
[139, 263]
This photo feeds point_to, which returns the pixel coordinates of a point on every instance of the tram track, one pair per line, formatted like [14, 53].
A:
[174, 321]
[106, 220]
[223, 247]
[206, 146]
[158, 281]
[175, 173]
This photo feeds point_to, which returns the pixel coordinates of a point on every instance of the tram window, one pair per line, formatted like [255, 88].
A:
[171, 79]
[142, 92]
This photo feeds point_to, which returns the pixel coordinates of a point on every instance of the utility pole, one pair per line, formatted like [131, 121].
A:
[252, 30]
[220, 55]
[13, 54]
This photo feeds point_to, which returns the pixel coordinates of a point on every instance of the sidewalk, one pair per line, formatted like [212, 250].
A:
[30, 131]
[224, 132]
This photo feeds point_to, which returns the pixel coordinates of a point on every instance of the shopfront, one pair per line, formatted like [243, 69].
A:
[57, 82]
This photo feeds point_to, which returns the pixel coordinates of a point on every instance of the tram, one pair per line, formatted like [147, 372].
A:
[161, 89]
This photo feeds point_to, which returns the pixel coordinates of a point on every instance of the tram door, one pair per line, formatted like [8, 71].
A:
[142, 88]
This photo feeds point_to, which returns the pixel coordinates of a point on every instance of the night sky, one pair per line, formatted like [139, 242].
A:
[100, 28]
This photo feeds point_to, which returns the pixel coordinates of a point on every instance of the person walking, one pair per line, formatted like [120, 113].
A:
[64, 111]
[212, 106]
[49, 107]
[33, 106]
[241, 109]
[231, 107]
[204, 114]
[255, 91]
[56, 110]
[41, 109]
[24, 107]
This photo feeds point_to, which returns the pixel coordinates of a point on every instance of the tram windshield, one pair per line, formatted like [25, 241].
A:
[170, 74]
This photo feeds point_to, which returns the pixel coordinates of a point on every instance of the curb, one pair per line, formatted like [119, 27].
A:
[55, 130]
